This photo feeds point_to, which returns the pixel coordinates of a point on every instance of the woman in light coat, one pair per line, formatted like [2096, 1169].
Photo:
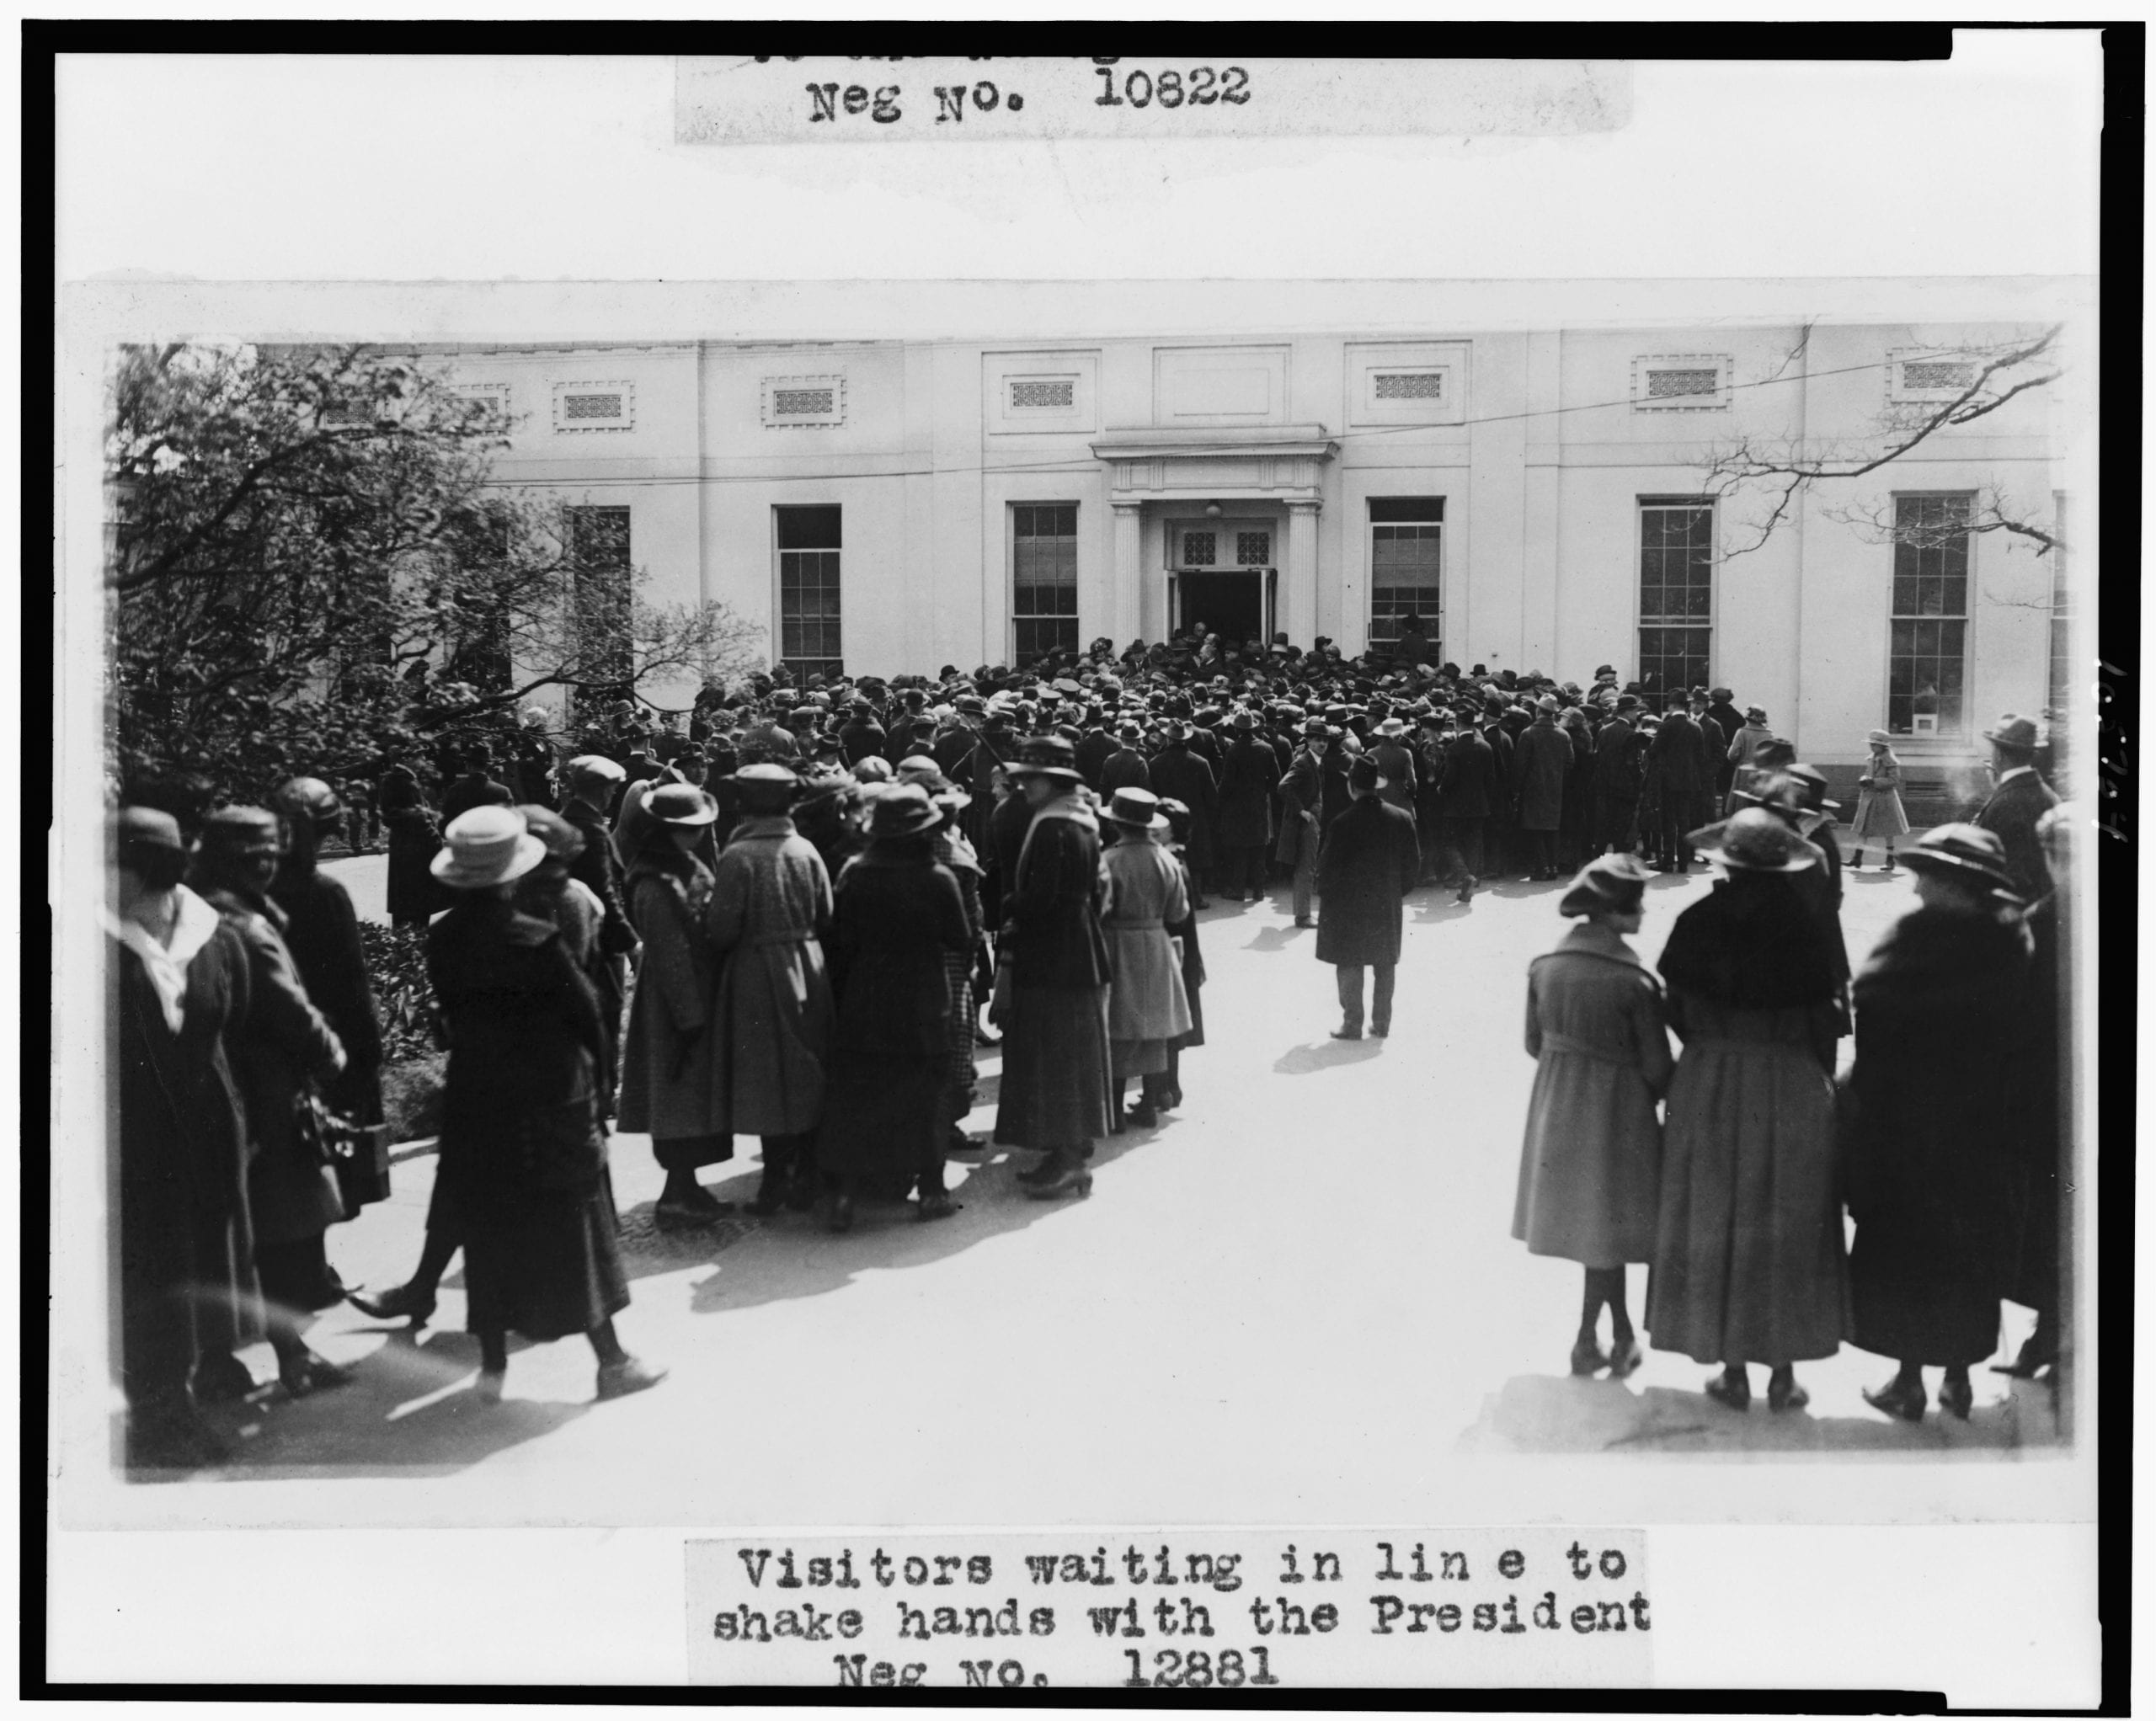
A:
[1879, 806]
[770, 906]
[1147, 1005]
[674, 1073]
[1590, 1168]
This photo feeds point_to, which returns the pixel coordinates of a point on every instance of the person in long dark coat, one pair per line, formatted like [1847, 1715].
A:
[593, 782]
[1057, 1092]
[1617, 782]
[1590, 1162]
[1184, 932]
[1250, 777]
[1576, 820]
[523, 1151]
[186, 1276]
[281, 1050]
[897, 915]
[1302, 814]
[1675, 762]
[1125, 768]
[1179, 774]
[1748, 1263]
[2019, 798]
[1542, 760]
[477, 787]
[322, 931]
[1930, 1131]
[1465, 803]
[1370, 862]
[414, 895]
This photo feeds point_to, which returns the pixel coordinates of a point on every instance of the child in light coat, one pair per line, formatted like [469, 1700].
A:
[1879, 808]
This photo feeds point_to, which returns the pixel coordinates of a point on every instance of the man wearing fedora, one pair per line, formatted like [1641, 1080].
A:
[1148, 1007]
[1250, 777]
[1677, 761]
[1179, 774]
[1931, 1140]
[1543, 761]
[1369, 863]
[1302, 814]
[2019, 799]
[1617, 774]
[1466, 800]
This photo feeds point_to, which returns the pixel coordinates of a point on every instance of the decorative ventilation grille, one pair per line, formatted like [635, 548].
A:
[1411, 385]
[608, 404]
[1253, 549]
[1199, 549]
[1668, 385]
[803, 402]
[1059, 395]
[592, 406]
[1937, 373]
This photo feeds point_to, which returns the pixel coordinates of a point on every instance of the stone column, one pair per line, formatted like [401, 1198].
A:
[1298, 602]
[1127, 589]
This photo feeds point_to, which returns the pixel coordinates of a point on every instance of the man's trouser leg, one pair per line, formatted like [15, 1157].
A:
[1350, 976]
[1471, 844]
[1381, 997]
[1306, 877]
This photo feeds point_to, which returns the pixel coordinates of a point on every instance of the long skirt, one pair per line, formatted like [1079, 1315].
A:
[1748, 1262]
[884, 1121]
[1138, 1058]
[960, 1073]
[543, 1263]
[1056, 1090]
[1879, 814]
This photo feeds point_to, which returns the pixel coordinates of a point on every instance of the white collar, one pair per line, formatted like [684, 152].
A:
[2006, 777]
[195, 923]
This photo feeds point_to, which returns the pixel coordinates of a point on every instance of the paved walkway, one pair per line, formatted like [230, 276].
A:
[1324, 1224]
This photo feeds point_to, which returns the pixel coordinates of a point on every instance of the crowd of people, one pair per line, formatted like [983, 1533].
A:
[796, 912]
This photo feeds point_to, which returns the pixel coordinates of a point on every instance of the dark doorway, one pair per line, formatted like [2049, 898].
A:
[1230, 605]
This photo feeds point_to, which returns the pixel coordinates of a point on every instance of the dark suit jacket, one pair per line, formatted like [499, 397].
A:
[1469, 788]
[1368, 863]
[2011, 815]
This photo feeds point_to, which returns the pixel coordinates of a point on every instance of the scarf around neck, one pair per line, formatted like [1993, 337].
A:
[194, 924]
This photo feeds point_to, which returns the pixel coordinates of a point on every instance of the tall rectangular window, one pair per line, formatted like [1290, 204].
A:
[808, 590]
[1044, 579]
[1929, 636]
[1677, 583]
[1407, 569]
[598, 544]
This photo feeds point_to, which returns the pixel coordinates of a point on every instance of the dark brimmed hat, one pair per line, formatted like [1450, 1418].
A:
[1135, 809]
[1753, 840]
[563, 840]
[143, 827]
[903, 810]
[1721, 694]
[763, 785]
[243, 830]
[2010, 731]
[1363, 775]
[1046, 756]
[681, 804]
[1965, 851]
[1812, 775]
[1607, 882]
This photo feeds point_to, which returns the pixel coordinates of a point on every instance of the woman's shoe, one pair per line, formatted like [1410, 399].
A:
[1784, 1393]
[631, 1374]
[1588, 1357]
[1732, 1390]
[1957, 1398]
[398, 1302]
[938, 1206]
[488, 1388]
[841, 1219]
[1305, 922]
[672, 1215]
[1142, 1117]
[1049, 1169]
[1073, 1180]
[1625, 1356]
[1899, 1399]
[307, 1372]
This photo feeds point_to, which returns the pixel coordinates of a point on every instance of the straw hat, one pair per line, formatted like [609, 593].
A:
[488, 845]
[1879, 738]
[1607, 881]
[1135, 809]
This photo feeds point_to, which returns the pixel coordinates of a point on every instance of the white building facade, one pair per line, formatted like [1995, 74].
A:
[1538, 497]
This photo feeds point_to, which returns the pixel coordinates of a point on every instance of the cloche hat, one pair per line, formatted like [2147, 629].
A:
[1607, 881]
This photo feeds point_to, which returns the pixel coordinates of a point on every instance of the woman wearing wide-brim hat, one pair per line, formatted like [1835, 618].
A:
[1147, 1005]
[523, 1153]
[674, 1075]
[1591, 1165]
[950, 847]
[897, 916]
[1930, 1138]
[1748, 1263]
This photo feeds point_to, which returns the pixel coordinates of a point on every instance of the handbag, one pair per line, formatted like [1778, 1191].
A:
[326, 1137]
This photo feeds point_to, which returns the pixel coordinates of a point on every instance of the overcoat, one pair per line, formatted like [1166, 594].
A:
[1056, 1089]
[523, 1155]
[1146, 999]
[2043, 1097]
[1250, 776]
[1179, 774]
[1743, 748]
[1396, 765]
[414, 840]
[1370, 861]
[1470, 784]
[896, 916]
[1879, 801]
[282, 1046]
[771, 905]
[1302, 792]
[1590, 1168]
[2011, 814]
[1542, 758]
[1616, 762]
[1125, 769]
[1748, 1259]
[1676, 757]
[1930, 1135]
[674, 1073]
[186, 1251]
[322, 933]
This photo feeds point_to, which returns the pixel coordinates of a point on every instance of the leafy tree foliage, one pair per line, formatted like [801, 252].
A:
[311, 568]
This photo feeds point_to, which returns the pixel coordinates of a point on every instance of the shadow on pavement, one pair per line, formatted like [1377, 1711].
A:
[1280, 937]
[1325, 1054]
[1535, 1413]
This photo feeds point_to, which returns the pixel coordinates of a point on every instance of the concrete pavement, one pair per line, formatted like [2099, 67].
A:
[1318, 1240]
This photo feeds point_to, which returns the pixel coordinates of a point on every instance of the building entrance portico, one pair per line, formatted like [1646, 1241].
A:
[1221, 575]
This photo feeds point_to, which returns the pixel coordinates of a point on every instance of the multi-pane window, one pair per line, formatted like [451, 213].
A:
[1407, 565]
[1200, 549]
[598, 544]
[1677, 582]
[2063, 677]
[808, 590]
[1253, 549]
[1044, 579]
[1928, 639]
